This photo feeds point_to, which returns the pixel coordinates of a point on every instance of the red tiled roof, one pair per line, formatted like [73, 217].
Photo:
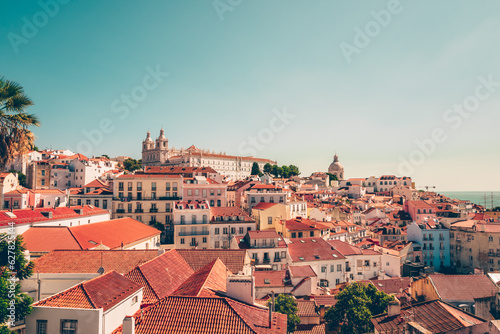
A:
[78, 156]
[233, 259]
[463, 287]
[325, 300]
[392, 286]
[312, 249]
[112, 233]
[303, 224]
[205, 281]
[46, 239]
[230, 211]
[264, 234]
[178, 170]
[274, 277]
[310, 329]
[101, 292]
[435, 316]
[266, 186]
[301, 271]
[160, 276]
[96, 184]
[89, 261]
[206, 315]
[306, 308]
[26, 216]
[264, 206]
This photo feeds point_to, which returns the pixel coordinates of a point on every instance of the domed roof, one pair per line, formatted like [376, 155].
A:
[335, 166]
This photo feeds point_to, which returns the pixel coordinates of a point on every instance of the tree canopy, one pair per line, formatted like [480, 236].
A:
[15, 137]
[283, 171]
[12, 260]
[256, 169]
[356, 305]
[286, 304]
[132, 164]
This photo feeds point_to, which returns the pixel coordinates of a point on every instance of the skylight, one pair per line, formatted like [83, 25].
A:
[267, 281]
[301, 258]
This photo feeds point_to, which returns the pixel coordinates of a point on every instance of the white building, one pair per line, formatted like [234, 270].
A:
[158, 153]
[97, 306]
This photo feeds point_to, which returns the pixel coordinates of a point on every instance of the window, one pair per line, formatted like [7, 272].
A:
[490, 238]
[68, 326]
[332, 268]
[218, 202]
[96, 203]
[233, 230]
[153, 186]
[43, 172]
[129, 186]
[193, 219]
[41, 327]
[139, 186]
[134, 300]
[204, 240]
[217, 244]
[339, 267]
[87, 202]
[120, 186]
[182, 241]
[183, 219]
[217, 231]
[269, 220]
[300, 235]
[225, 230]
[241, 230]
[294, 235]
[43, 182]
[104, 203]
[311, 233]
[323, 269]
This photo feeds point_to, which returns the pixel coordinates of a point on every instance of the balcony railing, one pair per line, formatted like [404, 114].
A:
[142, 198]
[186, 234]
[120, 211]
[139, 210]
[153, 210]
[276, 259]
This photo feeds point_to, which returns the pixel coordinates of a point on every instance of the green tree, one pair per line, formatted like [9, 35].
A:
[294, 170]
[256, 169]
[105, 156]
[15, 138]
[132, 164]
[333, 177]
[286, 304]
[356, 305]
[268, 168]
[12, 260]
[285, 172]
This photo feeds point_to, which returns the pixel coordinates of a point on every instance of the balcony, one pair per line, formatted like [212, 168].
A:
[276, 259]
[348, 269]
[142, 198]
[155, 210]
[190, 233]
[266, 261]
[120, 211]
[139, 210]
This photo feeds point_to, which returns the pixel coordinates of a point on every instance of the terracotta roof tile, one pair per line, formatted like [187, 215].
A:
[306, 308]
[205, 281]
[89, 261]
[270, 278]
[312, 249]
[264, 206]
[435, 316]
[233, 259]
[161, 276]
[206, 315]
[463, 287]
[101, 292]
[301, 271]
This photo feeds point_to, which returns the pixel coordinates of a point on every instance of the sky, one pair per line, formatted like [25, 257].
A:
[393, 87]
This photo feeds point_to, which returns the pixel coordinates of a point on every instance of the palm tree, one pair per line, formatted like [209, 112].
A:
[15, 138]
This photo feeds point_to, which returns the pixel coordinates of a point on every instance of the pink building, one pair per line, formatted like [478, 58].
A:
[420, 210]
[199, 188]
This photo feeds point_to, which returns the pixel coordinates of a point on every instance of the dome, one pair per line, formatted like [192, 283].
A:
[336, 168]
[162, 135]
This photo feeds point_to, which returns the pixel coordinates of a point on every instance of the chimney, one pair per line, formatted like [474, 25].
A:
[128, 325]
[381, 275]
[241, 288]
[393, 309]
[271, 309]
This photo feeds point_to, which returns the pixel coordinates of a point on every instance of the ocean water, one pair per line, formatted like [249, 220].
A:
[476, 197]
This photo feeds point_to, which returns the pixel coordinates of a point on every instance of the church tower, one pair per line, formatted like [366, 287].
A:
[336, 168]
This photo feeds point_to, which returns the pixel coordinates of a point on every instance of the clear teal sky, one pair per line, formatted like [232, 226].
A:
[229, 67]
